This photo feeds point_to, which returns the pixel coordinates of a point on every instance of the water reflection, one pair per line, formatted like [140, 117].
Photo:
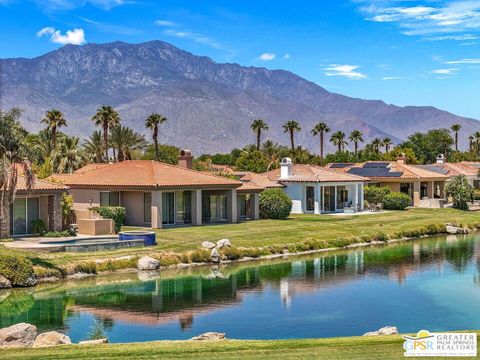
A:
[321, 295]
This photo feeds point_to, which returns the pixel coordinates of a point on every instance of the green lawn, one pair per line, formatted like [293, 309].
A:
[385, 347]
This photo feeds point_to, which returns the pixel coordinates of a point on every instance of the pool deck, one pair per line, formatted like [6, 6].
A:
[35, 243]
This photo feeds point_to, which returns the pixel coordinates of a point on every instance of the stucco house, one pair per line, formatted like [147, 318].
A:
[468, 169]
[316, 190]
[158, 195]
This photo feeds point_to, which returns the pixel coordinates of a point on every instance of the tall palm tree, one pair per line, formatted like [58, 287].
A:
[290, 127]
[257, 126]
[125, 141]
[68, 157]
[272, 152]
[471, 138]
[387, 142]
[376, 143]
[152, 123]
[338, 139]
[106, 117]
[94, 147]
[476, 135]
[356, 136]
[54, 120]
[456, 128]
[321, 129]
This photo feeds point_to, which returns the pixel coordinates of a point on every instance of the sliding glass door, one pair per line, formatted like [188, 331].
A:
[328, 198]
[24, 211]
[168, 208]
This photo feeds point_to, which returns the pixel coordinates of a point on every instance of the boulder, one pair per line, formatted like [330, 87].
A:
[51, 338]
[450, 229]
[209, 336]
[93, 342]
[148, 263]
[387, 330]
[19, 335]
[215, 256]
[223, 243]
[31, 281]
[208, 245]
[5, 283]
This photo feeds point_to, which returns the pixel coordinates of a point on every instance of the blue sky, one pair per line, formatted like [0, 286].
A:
[403, 52]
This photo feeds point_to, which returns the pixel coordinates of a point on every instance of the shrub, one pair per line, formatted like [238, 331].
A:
[275, 204]
[396, 201]
[375, 195]
[116, 213]
[476, 194]
[38, 226]
[89, 267]
[460, 191]
[113, 265]
[17, 269]
[233, 253]
[43, 272]
[200, 256]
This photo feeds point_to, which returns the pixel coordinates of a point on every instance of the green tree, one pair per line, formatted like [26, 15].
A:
[106, 117]
[471, 139]
[376, 143]
[253, 161]
[461, 191]
[291, 127]
[94, 147]
[356, 136]
[152, 123]
[456, 128]
[167, 153]
[427, 146]
[125, 140]
[68, 156]
[257, 127]
[54, 120]
[338, 139]
[387, 142]
[321, 129]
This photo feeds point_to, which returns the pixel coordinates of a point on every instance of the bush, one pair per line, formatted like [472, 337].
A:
[460, 191]
[116, 213]
[43, 272]
[120, 264]
[476, 194]
[200, 256]
[275, 204]
[396, 201]
[17, 269]
[38, 226]
[232, 253]
[89, 267]
[375, 195]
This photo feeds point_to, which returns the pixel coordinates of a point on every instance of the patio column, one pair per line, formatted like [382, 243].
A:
[197, 207]
[55, 222]
[254, 206]
[232, 206]
[431, 190]
[355, 199]
[361, 195]
[416, 193]
[156, 209]
[317, 207]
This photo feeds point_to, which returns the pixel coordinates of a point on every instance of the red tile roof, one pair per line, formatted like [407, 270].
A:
[259, 180]
[38, 185]
[144, 174]
[313, 173]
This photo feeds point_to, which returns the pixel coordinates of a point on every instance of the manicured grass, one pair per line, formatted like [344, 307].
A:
[385, 347]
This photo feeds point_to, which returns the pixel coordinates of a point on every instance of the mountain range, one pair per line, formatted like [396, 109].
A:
[209, 105]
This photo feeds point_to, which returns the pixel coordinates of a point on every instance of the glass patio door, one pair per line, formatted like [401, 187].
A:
[168, 208]
[329, 198]
[310, 199]
[25, 210]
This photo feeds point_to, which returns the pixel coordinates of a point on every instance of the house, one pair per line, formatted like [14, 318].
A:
[424, 186]
[41, 202]
[314, 189]
[157, 195]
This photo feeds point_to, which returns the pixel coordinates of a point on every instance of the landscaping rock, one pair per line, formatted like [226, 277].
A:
[215, 256]
[148, 263]
[223, 243]
[19, 335]
[209, 336]
[31, 281]
[387, 330]
[93, 342]
[450, 229]
[208, 245]
[5, 283]
[51, 338]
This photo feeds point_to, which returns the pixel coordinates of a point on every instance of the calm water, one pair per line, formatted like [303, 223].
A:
[427, 284]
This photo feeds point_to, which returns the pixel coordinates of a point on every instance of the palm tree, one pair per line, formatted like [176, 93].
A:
[356, 136]
[94, 147]
[456, 128]
[106, 117]
[476, 135]
[257, 126]
[68, 157]
[321, 129]
[40, 146]
[54, 120]
[125, 141]
[290, 127]
[272, 152]
[152, 123]
[470, 141]
[387, 142]
[376, 143]
[338, 139]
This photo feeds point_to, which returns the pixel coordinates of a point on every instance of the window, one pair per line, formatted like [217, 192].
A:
[184, 207]
[147, 207]
[423, 190]
[245, 211]
[310, 198]
[476, 184]
[214, 208]
[407, 188]
[223, 207]
[24, 211]
[109, 198]
[342, 197]
[168, 208]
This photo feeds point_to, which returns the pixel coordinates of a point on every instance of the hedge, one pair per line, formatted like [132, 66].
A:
[274, 204]
[375, 194]
[396, 201]
[116, 213]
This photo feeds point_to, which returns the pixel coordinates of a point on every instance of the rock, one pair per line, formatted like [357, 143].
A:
[209, 336]
[223, 243]
[387, 330]
[208, 245]
[19, 335]
[148, 263]
[215, 256]
[5, 283]
[93, 342]
[450, 229]
[51, 338]
[148, 275]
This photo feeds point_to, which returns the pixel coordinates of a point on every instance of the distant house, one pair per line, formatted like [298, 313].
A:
[316, 190]
[424, 186]
[158, 195]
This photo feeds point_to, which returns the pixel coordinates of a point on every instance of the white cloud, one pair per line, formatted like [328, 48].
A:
[198, 38]
[67, 5]
[392, 78]
[74, 37]
[110, 28]
[164, 23]
[267, 57]
[348, 71]
[286, 56]
[450, 71]
[463, 61]
[453, 37]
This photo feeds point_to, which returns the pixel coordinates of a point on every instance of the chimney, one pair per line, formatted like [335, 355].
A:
[401, 159]
[185, 159]
[440, 159]
[286, 167]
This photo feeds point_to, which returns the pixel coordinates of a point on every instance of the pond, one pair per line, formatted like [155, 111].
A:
[431, 284]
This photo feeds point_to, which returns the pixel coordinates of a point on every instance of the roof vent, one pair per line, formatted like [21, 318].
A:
[286, 167]
[185, 159]
[440, 159]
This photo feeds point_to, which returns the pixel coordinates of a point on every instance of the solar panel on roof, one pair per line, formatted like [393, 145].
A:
[340, 165]
[375, 172]
[436, 169]
[370, 165]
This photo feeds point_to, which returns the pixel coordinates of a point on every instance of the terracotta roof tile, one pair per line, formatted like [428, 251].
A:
[259, 180]
[314, 173]
[38, 185]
